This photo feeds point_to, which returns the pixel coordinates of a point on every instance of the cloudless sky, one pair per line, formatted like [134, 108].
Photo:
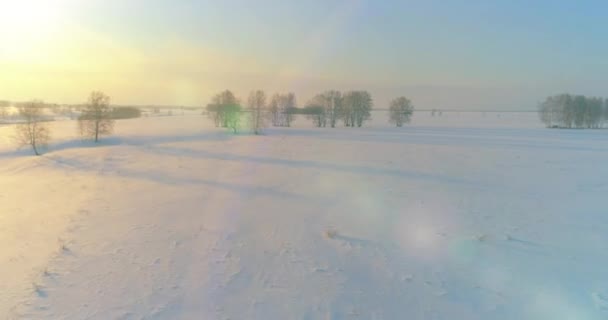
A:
[443, 54]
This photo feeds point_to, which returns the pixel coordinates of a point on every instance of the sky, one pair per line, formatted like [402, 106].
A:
[474, 54]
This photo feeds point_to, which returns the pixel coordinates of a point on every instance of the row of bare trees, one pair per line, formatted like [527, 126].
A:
[95, 120]
[353, 108]
[568, 111]
[282, 108]
[325, 109]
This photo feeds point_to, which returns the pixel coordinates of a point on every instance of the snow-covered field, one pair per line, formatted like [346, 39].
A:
[463, 216]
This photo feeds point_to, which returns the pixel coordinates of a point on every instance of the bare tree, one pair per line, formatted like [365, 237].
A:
[257, 104]
[96, 118]
[33, 131]
[401, 110]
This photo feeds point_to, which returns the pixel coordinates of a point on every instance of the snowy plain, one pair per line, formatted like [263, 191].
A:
[463, 216]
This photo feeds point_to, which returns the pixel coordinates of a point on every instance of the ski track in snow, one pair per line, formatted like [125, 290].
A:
[439, 220]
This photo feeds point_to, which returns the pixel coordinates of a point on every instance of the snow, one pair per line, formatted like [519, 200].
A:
[463, 216]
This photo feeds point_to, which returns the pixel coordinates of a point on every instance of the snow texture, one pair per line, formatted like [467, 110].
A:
[463, 216]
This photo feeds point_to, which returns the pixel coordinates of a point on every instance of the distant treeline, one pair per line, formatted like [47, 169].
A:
[573, 111]
[326, 109]
[125, 113]
[117, 112]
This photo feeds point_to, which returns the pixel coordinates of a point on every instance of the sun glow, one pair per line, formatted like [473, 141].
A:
[24, 22]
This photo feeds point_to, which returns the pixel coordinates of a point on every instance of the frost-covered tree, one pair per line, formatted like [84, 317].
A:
[232, 116]
[316, 114]
[33, 130]
[289, 107]
[593, 114]
[316, 110]
[282, 108]
[567, 111]
[221, 105]
[401, 110]
[606, 110]
[257, 104]
[333, 108]
[331, 102]
[275, 111]
[96, 118]
[579, 109]
[551, 111]
[356, 108]
[566, 103]
[557, 111]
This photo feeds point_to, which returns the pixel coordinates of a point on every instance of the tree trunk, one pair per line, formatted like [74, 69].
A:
[34, 144]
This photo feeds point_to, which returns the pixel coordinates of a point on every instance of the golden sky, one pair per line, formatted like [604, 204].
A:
[438, 53]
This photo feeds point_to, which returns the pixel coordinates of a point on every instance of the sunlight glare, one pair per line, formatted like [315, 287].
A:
[27, 20]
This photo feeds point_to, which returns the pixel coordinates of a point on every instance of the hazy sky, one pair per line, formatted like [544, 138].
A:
[442, 54]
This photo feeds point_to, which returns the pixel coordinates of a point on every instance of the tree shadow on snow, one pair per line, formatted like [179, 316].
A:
[353, 169]
[493, 138]
[120, 140]
[174, 180]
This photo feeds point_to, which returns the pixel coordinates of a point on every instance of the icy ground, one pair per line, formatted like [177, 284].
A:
[464, 216]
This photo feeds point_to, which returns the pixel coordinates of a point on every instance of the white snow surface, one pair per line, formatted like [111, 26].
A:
[463, 216]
